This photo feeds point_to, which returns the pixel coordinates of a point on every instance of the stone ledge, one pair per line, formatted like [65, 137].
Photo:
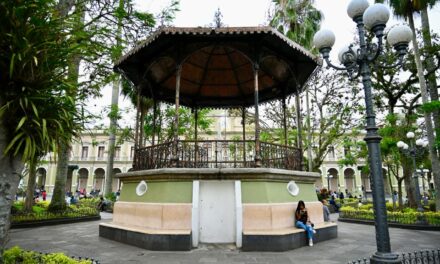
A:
[160, 241]
[286, 231]
[284, 242]
[185, 174]
[148, 230]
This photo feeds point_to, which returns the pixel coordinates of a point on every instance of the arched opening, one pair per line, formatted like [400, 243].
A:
[115, 181]
[333, 181]
[83, 176]
[98, 181]
[349, 180]
[365, 178]
[41, 178]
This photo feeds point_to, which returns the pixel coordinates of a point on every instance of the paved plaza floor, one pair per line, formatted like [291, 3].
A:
[81, 239]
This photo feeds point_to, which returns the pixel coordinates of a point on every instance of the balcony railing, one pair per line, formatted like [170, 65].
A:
[216, 154]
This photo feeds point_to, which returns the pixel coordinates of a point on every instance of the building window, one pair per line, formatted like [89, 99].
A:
[117, 152]
[85, 152]
[331, 152]
[131, 152]
[346, 151]
[101, 152]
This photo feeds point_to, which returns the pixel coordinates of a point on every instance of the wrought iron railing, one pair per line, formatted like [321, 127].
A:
[418, 257]
[216, 154]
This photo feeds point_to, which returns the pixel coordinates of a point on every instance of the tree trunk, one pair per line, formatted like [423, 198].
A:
[112, 138]
[58, 201]
[430, 67]
[399, 190]
[428, 121]
[113, 119]
[10, 174]
[409, 187]
[29, 202]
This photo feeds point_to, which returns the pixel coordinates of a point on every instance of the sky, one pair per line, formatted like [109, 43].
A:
[195, 13]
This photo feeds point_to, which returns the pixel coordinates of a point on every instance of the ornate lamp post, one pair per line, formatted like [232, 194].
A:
[413, 151]
[357, 62]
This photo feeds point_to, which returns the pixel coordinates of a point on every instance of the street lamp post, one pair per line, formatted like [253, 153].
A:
[357, 62]
[413, 151]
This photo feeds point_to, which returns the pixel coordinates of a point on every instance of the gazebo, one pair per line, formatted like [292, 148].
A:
[170, 201]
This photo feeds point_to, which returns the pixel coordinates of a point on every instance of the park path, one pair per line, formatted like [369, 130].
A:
[81, 239]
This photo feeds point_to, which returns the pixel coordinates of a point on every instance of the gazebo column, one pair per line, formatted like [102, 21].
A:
[196, 146]
[299, 126]
[243, 122]
[257, 118]
[136, 130]
[285, 120]
[154, 121]
[175, 158]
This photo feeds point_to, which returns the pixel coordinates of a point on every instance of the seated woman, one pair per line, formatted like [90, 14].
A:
[303, 221]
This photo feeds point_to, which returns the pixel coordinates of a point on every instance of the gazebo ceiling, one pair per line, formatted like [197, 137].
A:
[217, 65]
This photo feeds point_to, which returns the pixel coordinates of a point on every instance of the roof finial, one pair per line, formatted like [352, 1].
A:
[218, 18]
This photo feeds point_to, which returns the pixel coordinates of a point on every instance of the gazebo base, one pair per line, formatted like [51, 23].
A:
[180, 208]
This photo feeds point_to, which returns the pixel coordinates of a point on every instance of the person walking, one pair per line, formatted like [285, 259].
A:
[325, 210]
[44, 195]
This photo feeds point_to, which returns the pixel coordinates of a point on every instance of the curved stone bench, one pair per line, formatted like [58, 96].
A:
[153, 226]
[269, 227]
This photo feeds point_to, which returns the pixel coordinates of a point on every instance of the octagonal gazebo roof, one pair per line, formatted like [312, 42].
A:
[217, 65]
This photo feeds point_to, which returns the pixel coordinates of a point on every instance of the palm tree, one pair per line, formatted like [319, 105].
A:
[407, 9]
[430, 66]
[299, 20]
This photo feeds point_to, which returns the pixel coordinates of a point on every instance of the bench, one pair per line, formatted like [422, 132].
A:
[269, 227]
[152, 226]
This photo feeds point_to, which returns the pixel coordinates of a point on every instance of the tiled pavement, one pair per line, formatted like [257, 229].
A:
[81, 239]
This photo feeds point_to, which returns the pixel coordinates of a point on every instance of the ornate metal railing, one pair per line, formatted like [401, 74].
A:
[418, 257]
[216, 154]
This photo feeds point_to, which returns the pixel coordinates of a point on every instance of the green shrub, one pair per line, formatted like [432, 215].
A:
[368, 206]
[390, 206]
[38, 209]
[43, 204]
[347, 209]
[431, 205]
[409, 217]
[408, 210]
[17, 255]
[111, 197]
[88, 203]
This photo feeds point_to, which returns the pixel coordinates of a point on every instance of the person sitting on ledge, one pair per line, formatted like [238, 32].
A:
[303, 221]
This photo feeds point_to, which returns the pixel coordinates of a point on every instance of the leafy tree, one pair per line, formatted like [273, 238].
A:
[335, 112]
[165, 120]
[125, 20]
[406, 9]
[36, 113]
[299, 20]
